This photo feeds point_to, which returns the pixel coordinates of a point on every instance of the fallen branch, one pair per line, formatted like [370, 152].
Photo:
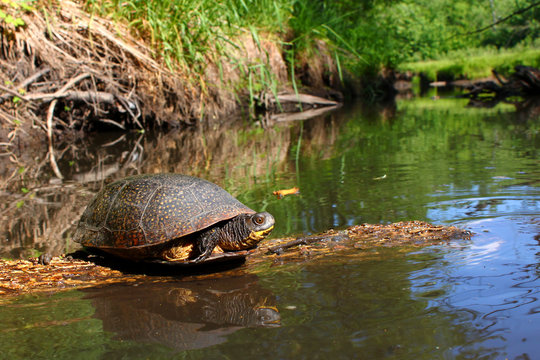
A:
[88, 96]
[365, 236]
[278, 249]
[112, 122]
[13, 94]
[304, 115]
[524, 81]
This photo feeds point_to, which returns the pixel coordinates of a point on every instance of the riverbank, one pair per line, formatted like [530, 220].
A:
[68, 72]
[473, 64]
[70, 68]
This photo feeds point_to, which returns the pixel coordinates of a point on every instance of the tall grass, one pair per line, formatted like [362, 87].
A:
[186, 33]
[364, 36]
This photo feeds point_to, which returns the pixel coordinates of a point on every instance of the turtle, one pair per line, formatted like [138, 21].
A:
[170, 218]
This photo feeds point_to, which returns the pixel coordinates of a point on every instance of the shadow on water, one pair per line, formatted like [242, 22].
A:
[183, 314]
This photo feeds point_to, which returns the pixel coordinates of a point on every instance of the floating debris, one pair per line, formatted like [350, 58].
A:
[24, 276]
[280, 194]
[361, 237]
[27, 276]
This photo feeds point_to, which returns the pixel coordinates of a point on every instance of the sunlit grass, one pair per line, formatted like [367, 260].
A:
[457, 106]
[190, 34]
[478, 64]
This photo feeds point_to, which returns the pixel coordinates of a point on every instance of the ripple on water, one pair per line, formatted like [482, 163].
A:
[496, 278]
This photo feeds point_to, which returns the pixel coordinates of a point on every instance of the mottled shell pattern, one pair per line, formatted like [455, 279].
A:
[148, 210]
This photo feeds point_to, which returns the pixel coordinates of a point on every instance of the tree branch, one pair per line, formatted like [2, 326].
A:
[520, 11]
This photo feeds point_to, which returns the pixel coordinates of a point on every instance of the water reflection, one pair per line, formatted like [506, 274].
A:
[220, 154]
[424, 160]
[416, 160]
[184, 314]
[496, 280]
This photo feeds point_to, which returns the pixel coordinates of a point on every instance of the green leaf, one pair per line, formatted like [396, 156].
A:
[26, 6]
[18, 22]
[9, 19]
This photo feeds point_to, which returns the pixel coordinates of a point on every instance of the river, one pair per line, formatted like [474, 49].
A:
[422, 159]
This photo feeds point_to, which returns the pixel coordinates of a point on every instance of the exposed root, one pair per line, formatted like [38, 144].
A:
[67, 70]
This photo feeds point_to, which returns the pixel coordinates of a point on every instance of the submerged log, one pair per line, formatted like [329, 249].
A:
[28, 276]
[293, 102]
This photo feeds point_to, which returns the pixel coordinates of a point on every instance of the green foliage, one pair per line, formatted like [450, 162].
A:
[476, 63]
[10, 12]
[187, 32]
[371, 35]
[363, 36]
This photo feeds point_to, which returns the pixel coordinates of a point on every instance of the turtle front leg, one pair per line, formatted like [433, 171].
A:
[206, 243]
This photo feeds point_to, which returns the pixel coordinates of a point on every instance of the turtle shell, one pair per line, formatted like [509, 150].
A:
[146, 210]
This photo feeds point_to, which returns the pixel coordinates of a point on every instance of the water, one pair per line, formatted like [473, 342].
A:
[436, 161]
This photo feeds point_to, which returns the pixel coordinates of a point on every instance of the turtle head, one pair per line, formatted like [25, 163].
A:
[260, 225]
[248, 230]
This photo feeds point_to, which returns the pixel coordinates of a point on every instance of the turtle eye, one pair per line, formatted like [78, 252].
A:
[258, 219]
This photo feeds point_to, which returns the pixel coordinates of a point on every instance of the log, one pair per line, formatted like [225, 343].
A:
[304, 115]
[359, 242]
[525, 81]
[293, 102]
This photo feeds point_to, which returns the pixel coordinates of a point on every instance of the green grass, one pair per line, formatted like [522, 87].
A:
[363, 37]
[187, 33]
[458, 107]
[474, 64]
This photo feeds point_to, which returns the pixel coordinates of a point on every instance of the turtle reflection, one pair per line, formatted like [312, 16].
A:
[184, 314]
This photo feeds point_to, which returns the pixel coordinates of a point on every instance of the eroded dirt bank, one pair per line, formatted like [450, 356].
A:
[70, 72]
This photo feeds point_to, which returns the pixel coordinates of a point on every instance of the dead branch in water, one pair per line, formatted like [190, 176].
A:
[405, 233]
[524, 81]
